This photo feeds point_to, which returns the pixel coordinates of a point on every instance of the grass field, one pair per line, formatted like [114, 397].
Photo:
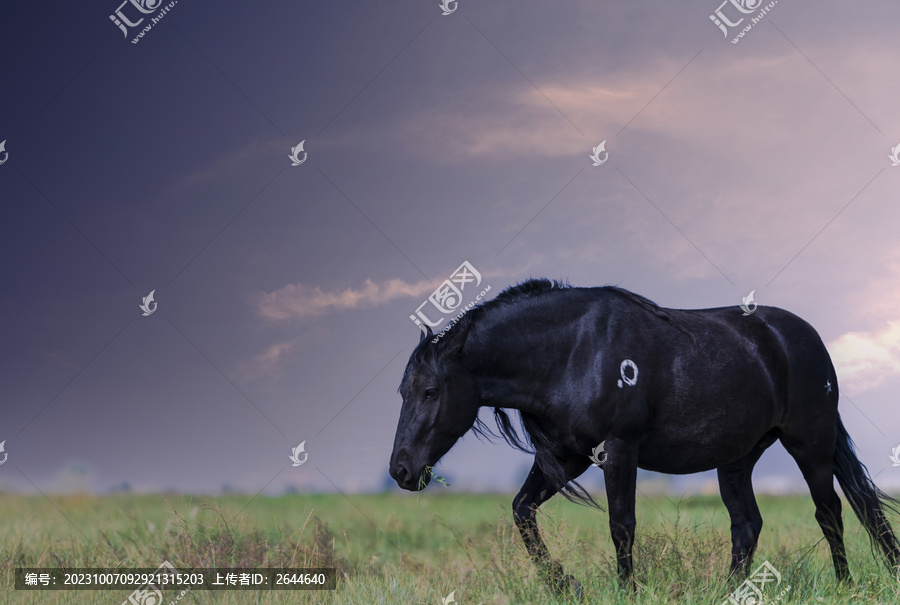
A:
[417, 548]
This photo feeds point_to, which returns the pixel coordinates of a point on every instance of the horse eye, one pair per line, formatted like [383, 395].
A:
[430, 393]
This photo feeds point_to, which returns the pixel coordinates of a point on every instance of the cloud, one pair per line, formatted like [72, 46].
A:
[520, 121]
[245, 159]
[516, 120]
[864, 360]
[299, 301]
[269, 363]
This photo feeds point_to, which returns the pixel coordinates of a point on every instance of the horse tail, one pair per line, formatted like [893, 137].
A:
[866, 500]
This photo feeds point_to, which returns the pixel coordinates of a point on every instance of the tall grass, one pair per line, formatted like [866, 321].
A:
[416, 549]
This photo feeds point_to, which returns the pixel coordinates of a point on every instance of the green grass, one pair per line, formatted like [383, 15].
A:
[416, 548]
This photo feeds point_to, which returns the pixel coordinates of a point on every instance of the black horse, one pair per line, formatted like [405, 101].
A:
[672, 391]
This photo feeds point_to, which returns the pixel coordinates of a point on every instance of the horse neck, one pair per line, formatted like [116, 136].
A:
[507, 359]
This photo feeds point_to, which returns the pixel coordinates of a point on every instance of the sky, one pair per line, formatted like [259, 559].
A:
[282, 293]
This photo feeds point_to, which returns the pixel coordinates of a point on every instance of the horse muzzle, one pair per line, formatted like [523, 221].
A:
[406, 478]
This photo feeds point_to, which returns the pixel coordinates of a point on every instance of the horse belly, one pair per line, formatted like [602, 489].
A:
[695, 438]
[686, 458]
[702, 444]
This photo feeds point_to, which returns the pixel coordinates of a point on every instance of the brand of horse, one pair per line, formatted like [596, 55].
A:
[601, 148]
[627, 365]
[6, 154]
[448, 296]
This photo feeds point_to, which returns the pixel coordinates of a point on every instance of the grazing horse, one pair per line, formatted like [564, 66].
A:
[667, 390]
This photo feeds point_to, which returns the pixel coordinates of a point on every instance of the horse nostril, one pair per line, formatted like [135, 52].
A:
[402, 475]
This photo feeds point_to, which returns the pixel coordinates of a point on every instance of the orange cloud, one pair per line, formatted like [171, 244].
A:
[299, 301]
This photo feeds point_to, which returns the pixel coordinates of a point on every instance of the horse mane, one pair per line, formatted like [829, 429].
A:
[425, 353]
[534, 439]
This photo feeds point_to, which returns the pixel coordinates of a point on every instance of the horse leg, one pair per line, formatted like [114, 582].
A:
[736, 489]
[535, 491]
[816, 462]
[620, 472]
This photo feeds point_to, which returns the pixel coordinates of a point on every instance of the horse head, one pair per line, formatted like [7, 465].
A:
[440, 404]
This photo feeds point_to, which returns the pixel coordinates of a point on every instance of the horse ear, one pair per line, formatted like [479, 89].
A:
[454, 346]
[426, 333]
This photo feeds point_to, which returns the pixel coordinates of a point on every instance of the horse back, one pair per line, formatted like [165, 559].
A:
[718, 381]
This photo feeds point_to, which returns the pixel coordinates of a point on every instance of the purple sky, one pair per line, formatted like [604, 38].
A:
[285, 292]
